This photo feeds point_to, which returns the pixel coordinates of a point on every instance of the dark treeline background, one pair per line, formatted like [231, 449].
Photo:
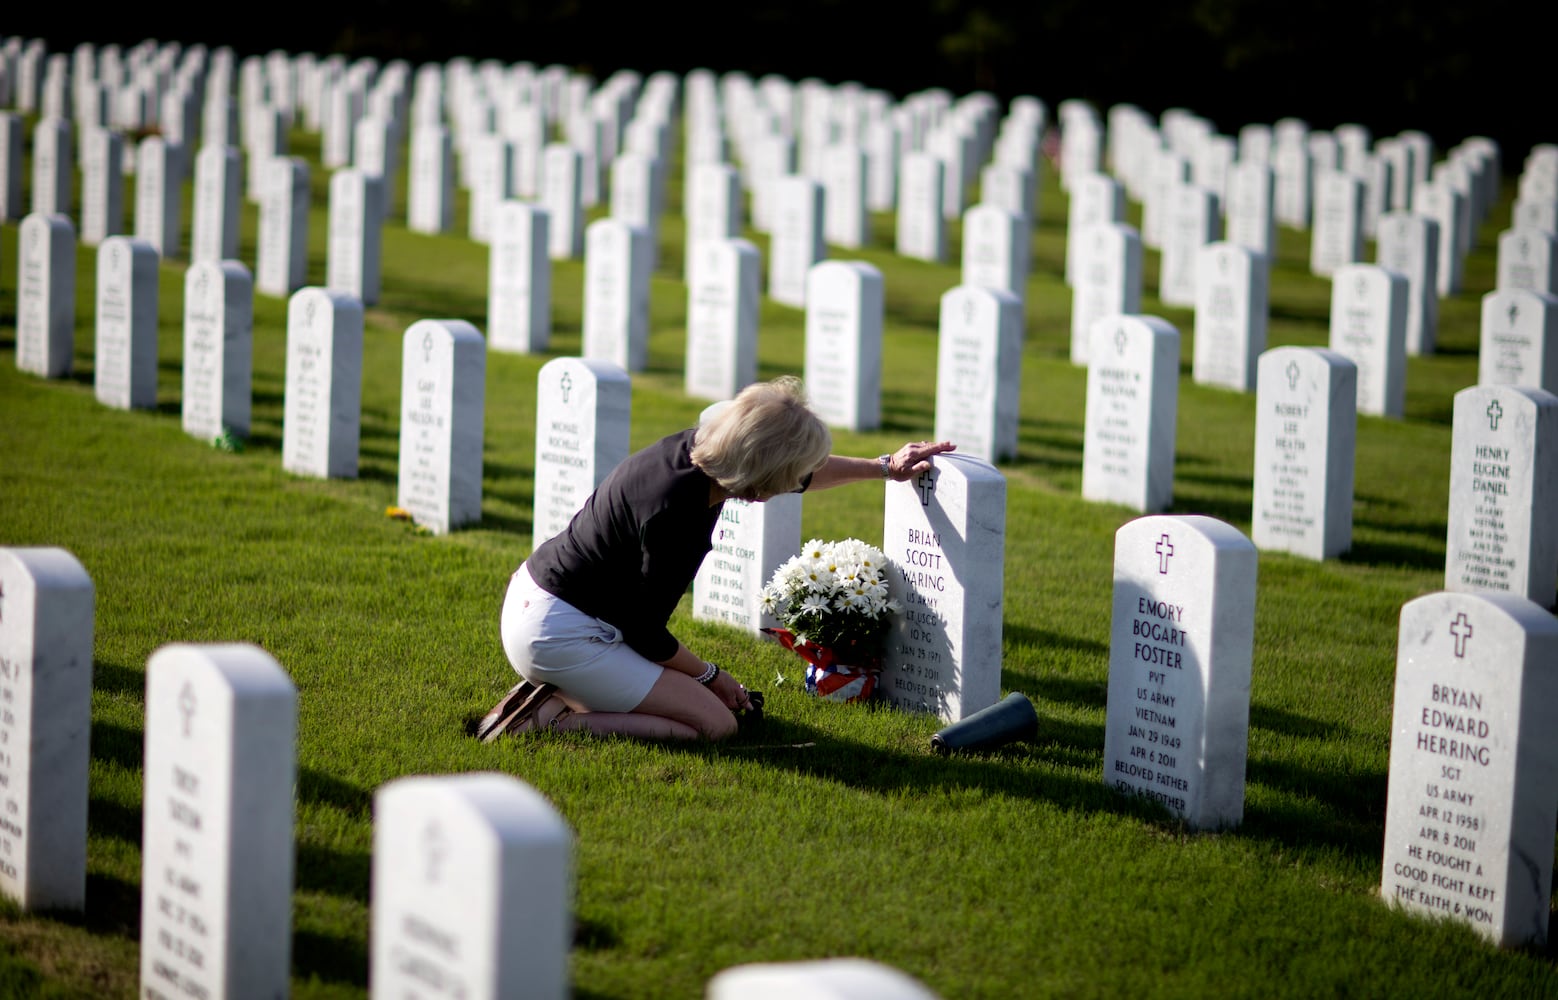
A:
[1452, 70]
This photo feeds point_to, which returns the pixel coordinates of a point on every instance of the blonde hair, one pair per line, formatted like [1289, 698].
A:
[764, 442]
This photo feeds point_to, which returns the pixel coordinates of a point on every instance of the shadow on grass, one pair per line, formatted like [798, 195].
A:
[111, 678]
[1017, 632]
[330, 958]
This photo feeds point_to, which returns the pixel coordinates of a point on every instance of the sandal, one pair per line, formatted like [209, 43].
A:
[513, 709]
[542, 715]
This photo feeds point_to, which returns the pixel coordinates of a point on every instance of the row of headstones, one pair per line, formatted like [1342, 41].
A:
[472, 873]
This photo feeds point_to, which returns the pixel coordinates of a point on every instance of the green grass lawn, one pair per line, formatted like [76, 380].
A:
[833, 830]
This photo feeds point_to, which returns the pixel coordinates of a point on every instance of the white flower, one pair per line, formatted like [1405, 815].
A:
[814, 604]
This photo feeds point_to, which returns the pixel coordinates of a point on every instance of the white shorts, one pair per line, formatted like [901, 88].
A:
[549, 641]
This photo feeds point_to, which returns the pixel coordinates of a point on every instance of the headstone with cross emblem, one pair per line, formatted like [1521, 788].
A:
[1502, 535]
[1132, 403]
[442, 394]
[125, 359]
[922, 230]
[217, 854]
[1337, 239]
[1182, 638]
[355, 234]
[1306, 423]
[995, 251]
[843, 352]
[1473, 793]
[322, 415]
[1519, 344]
[46, 602]
[979, 371]
[472, 889]
[216, 219]
[1190, 222]
[817, 979]
[1232, 289]
[46, 295]
[797, 242]
[218, 349]
[102, 185]
[1408, 244]
[430, 189]
[1539, 213]
[724, 294]
[944, 535]
[582, 422]
[1108, 281]
[1369, 326]
[282, 266]
[12, 130]
[1528, 258]
[1096, 199]
[751, 541]
[159, 205]
[1010, 187]
[616, 294]
[53, 166]
[519, 279]
[1251, 219]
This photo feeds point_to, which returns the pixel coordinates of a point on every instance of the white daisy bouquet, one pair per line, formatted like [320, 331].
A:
[834, 597]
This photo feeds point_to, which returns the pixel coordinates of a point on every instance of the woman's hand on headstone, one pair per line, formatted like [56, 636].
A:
[915, 458]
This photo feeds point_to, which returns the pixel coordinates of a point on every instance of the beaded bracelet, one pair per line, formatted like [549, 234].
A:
[707, 677]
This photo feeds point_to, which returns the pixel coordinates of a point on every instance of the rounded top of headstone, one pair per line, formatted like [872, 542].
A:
[510, 807]
[47, 566]
[244, 668]
[426, 331]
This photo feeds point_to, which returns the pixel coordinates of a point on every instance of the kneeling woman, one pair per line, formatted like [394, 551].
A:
[584, 622]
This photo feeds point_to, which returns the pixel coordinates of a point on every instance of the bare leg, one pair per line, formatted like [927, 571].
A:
[676, 708]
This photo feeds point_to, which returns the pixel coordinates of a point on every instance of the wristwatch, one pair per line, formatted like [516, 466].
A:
[886, 462]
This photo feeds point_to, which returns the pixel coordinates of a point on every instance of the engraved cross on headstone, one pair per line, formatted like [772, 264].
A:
[1119, 340]
[434, 849]
[187, 706]
[427, 347]
[927, 485]
[1292, 372]
[1165, 550]
[1514, 311]
[566, 385]
[1461, 629]
[1495, 411]
[2, 603]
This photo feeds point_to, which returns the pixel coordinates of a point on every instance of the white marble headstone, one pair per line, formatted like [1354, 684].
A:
[751, 541]
[1519, 341]
[1132, 404]
[322, 414]
[1503, 537]
[53, 166]
[46, 609]
[582, 422]
[846, 222]
[1251, 218]
[472, 889]
[442, 394]
[45, 295]
[843, 356]
[159, 206]
[616, 293]
[1337, 239]
[218, 170]
[12, 130]
[1474, 765]
[1232, 289]
[1181, 643]
[282, 266]
[102, 185]
[125, 359]
[979, 371]
[1368, 325]
[430, 190]
[1190, 222]
[217, 861]
[797, 244]
[1095, 199]
[922, 231]
[355, 229]
[1446, 207]
[944, 535]
[995, 250]
[218, 348]
[821, 979]
[724, 294]
[1306, 426]
[519, 279]
[1408, 244]
[561, 191]
[1528, 258]
[1108, 280]
[635, 196]
[713, 209]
